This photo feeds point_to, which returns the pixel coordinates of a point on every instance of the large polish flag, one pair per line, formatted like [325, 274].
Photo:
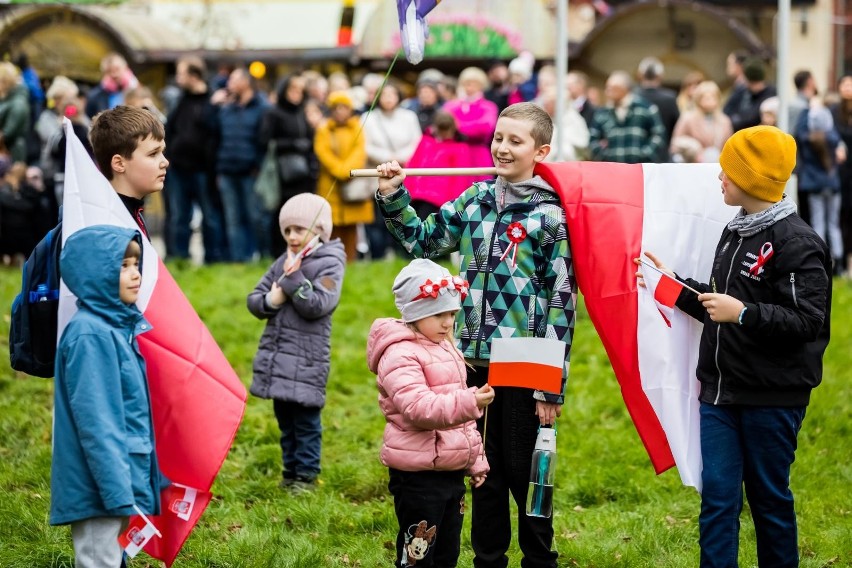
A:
[197, 399]
[616, 212]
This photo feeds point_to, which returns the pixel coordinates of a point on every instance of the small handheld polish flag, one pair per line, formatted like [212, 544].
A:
[663, 288]
[528, 362]
[138, 533]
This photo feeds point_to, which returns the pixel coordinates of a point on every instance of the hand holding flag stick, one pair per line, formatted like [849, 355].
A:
[662, 269]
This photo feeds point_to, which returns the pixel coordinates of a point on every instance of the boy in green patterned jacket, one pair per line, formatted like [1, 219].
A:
[514, 247]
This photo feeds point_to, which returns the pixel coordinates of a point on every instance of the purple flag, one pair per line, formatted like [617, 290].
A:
[413, 28]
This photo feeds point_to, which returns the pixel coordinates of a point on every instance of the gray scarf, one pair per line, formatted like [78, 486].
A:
[747, 225]
[509, 193]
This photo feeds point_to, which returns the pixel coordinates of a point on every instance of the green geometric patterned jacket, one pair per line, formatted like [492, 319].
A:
[532, 297]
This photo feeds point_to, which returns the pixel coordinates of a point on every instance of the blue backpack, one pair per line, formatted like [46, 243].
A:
[32, 334]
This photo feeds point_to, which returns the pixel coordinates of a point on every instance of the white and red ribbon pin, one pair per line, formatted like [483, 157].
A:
[766, 253]
[452, 284]
[516, 234]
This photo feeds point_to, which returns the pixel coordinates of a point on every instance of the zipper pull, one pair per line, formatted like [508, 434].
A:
[503, 198]
[792, 278]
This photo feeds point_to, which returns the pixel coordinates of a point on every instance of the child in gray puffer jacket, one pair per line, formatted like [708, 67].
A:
[297, 296]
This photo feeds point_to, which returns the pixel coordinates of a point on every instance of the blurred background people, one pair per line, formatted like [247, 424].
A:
[237, 163]
[191, 149]
[116, 80]
[701, 132]
[14, 111]
[843, 123]
[340, 147]
[628, 129]
[287, 125]
[391, 133]
[475, 115]
[650, 72]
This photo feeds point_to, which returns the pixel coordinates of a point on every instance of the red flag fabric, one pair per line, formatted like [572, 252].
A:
[667, 290]
[182, 507]
[615, 212]
[197, 400]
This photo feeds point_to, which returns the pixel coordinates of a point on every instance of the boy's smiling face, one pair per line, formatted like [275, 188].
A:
[514, 149]
[145, 170]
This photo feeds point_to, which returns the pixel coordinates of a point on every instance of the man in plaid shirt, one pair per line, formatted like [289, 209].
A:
[628, 129]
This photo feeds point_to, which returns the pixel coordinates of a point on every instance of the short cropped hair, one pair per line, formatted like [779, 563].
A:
[133, 250]
[540, 122]
[119, 131]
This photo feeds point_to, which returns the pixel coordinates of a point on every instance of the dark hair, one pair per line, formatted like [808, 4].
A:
[800, 79]
[754, 70]
[194, 66]
[133, 250]
[281, 90]
[119, 131]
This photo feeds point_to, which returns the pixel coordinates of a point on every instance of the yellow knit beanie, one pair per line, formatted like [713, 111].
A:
[759, 160]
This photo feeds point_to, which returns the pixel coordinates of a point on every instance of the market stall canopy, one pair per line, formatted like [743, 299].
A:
[468, 29]
[263, 25]
[71, 40]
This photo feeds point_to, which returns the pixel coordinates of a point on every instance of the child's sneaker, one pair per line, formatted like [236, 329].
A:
[303, 484]
[288, 481]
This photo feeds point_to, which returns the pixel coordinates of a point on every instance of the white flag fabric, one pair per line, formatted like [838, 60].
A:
[616, 212]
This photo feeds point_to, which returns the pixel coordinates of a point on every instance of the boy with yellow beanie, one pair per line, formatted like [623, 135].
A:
[766, 315]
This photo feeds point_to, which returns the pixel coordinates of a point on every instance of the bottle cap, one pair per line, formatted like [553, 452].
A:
[546, 439]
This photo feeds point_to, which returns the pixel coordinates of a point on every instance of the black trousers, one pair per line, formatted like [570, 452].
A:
[509, 443]
[429, 506]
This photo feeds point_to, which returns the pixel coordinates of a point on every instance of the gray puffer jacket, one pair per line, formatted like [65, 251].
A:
[293, 359]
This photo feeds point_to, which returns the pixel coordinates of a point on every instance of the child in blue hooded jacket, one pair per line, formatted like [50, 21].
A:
[104, 466]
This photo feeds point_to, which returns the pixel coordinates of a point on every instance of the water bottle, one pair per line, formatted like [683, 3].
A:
[540, 495]
[41, 292]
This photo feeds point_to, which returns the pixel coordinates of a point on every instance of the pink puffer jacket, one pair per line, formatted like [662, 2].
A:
[430, 412]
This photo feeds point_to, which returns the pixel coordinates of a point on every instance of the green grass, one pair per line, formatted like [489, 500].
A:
[611, 510]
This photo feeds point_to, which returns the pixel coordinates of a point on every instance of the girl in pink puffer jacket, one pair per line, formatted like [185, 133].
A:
[430, 440]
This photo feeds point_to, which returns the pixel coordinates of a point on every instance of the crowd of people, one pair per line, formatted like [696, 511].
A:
[221, 127]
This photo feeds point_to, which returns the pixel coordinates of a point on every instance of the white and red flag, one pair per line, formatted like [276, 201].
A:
[663, 288]
[616, 212]
[528, 362]
[197, 399]
[139, 532]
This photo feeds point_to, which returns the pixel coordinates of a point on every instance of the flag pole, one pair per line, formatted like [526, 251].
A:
[372, 172]
[666, 274]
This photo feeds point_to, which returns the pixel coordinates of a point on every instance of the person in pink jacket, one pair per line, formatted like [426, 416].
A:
[430, 440]
[475, 115]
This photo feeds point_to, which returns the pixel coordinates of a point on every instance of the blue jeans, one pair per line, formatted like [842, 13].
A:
[301, 439]
[187, 187]
[752, 446]
[243, 215]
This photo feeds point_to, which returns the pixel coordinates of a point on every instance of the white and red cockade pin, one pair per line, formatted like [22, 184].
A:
[451, 284]
[516, 234]
[766, 253]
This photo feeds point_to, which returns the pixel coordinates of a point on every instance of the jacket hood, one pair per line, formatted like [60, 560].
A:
[383, 333]
[90, 265]
[333, 248]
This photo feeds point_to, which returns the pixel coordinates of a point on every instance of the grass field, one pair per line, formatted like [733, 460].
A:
[611, 510]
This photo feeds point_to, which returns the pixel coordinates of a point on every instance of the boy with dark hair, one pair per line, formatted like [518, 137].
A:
[128, 144]
[104, 466]
[766, 314]
[515, 253]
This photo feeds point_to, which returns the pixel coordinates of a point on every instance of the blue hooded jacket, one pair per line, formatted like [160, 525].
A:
[104, 459]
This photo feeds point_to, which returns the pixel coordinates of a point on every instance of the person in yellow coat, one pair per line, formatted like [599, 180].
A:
[340, 147]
